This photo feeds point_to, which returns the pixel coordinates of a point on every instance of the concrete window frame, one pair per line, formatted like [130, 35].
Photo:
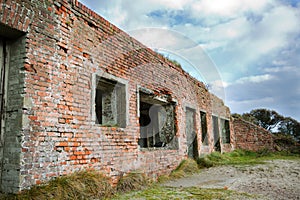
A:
[100, 75]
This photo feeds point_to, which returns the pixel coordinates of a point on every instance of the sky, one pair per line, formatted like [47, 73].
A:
[246, 51]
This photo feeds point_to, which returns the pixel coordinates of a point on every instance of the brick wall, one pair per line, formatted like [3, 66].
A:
[251, 137]
[64, 47]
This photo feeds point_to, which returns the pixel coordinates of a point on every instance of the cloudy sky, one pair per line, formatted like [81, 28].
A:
[246, 51]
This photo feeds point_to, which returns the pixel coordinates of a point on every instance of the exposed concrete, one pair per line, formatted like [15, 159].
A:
[15, 123]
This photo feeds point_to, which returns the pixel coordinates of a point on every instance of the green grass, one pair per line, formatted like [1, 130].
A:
[161, 192]
[242, 157]
[185, 168]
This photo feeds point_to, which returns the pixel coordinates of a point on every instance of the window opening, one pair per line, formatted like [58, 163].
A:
[157, 121]
[225, 128]
[204, 128]
[190, 127]
[110, 102]
[217, 145]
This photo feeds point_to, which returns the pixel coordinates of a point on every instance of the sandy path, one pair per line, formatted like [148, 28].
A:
[277, 179]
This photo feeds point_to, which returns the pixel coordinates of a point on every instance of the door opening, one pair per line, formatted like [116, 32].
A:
[3, 77]
[217, 145]
[191, 133]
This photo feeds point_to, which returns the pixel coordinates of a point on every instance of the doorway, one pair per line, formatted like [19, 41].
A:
[216, 132]
[3, 86]
[3, 77]
[191, 134]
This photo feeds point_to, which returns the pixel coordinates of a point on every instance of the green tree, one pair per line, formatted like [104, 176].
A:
[290, 126]
[268, 119]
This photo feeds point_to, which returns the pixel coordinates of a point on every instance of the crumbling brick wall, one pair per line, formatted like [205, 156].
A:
[64, 49]
[249, 136]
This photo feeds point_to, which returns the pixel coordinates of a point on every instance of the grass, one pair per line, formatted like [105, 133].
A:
[135, 185]
[133, 181]
[185, 168]
[81, 185]
[189, 166]
[242, 157]
[161, 192]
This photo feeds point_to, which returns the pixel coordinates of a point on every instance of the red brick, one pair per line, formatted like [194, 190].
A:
[62, 144]
[251, 137]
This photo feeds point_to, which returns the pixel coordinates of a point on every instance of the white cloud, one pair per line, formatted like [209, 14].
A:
[283, 69]
[228, 8]
[259, 42]
[274, 30]
[255, 79]
[233, 29]
[171, 4]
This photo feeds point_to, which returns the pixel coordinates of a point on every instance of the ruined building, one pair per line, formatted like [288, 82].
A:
[78, 93]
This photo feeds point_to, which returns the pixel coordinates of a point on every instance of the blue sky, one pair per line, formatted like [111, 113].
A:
[246, 51]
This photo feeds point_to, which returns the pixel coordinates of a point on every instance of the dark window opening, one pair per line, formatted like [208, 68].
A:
[190, 128]
[110, 102]
[225, 131]
[217, 145]
[204, 128]
[157, 122]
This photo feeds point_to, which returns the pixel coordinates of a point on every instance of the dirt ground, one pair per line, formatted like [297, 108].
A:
[277, 179]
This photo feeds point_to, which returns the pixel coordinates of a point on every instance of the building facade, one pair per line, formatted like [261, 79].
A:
[79, 93]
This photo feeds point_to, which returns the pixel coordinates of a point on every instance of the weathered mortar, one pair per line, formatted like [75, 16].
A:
[67, 47]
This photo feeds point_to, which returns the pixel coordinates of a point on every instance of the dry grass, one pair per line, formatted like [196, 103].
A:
[132, 181]
[80, 185]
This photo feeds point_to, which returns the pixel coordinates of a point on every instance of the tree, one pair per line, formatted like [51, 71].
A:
[268, 119]
[290, 126]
